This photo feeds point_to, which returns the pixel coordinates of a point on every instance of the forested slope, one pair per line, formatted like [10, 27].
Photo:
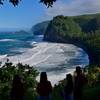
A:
[83, 31]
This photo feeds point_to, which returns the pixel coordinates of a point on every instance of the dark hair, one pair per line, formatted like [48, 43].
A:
[69, 78]
[69, 84]
[78, 70]
[18, 90]
[17, 79]
[43, 77]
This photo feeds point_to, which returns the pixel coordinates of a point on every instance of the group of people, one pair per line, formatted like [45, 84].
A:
[72, 90]
[74, 87]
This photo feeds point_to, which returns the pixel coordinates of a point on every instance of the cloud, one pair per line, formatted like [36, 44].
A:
[74, 7]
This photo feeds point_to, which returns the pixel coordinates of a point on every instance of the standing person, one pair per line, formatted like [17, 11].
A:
[79, 83]
[17, 91]
[44, 87]
[68, 91]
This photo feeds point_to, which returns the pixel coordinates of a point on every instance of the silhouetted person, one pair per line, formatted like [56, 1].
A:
[44, 87]
[79, 82]
[68, 91]
[17, 91]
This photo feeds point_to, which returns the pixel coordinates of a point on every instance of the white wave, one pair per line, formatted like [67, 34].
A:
[37, 57]
[3, 56]
[20, 50]
[6, 40]
[44, 51]
[43, 60]
[33, 43]
[48, 55]
[3, 59]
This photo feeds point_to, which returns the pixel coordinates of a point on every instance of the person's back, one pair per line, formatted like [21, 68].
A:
[69, 88]
[79, 84]
[44, 88]
[17, 91]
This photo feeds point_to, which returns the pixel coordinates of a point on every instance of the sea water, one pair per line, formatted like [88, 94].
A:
[57, 59]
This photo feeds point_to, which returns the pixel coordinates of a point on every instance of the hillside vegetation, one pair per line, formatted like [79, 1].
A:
[83, 31]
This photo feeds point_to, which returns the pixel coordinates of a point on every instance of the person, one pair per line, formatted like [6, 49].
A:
[17, 91]
[68, 90]
[44, 87]
[79, 82]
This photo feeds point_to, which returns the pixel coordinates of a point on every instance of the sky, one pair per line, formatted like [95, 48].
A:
[30, 12]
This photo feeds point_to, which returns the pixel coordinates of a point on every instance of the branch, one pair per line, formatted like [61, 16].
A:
[48, 3]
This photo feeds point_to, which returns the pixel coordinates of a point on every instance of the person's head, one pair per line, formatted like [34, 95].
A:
[69, 78]
[43, 77]
[16, 80]
[78, 70]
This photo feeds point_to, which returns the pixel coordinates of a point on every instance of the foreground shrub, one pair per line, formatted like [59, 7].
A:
[9, 70]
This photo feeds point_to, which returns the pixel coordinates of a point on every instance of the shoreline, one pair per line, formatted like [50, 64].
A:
[54, 71]
[79, 44]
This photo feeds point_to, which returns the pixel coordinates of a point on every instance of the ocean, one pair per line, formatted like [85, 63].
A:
[57, 59]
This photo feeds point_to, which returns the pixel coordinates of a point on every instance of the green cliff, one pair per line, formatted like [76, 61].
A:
[83, 31]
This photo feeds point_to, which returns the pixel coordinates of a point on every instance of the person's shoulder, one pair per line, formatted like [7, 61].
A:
[83, 76]
[39, 84]
[49, 82]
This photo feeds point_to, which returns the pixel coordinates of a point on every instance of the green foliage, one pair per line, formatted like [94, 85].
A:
[91, 90]
[8, 71]
[93, 74]
[57, 92]
[48, 3]
[88, 23]
[92, 93]
[64, 26]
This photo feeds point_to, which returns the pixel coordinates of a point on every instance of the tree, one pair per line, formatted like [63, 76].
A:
[7, 73]
[48, 3]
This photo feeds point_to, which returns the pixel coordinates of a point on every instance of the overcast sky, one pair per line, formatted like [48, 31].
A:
[30, 12]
